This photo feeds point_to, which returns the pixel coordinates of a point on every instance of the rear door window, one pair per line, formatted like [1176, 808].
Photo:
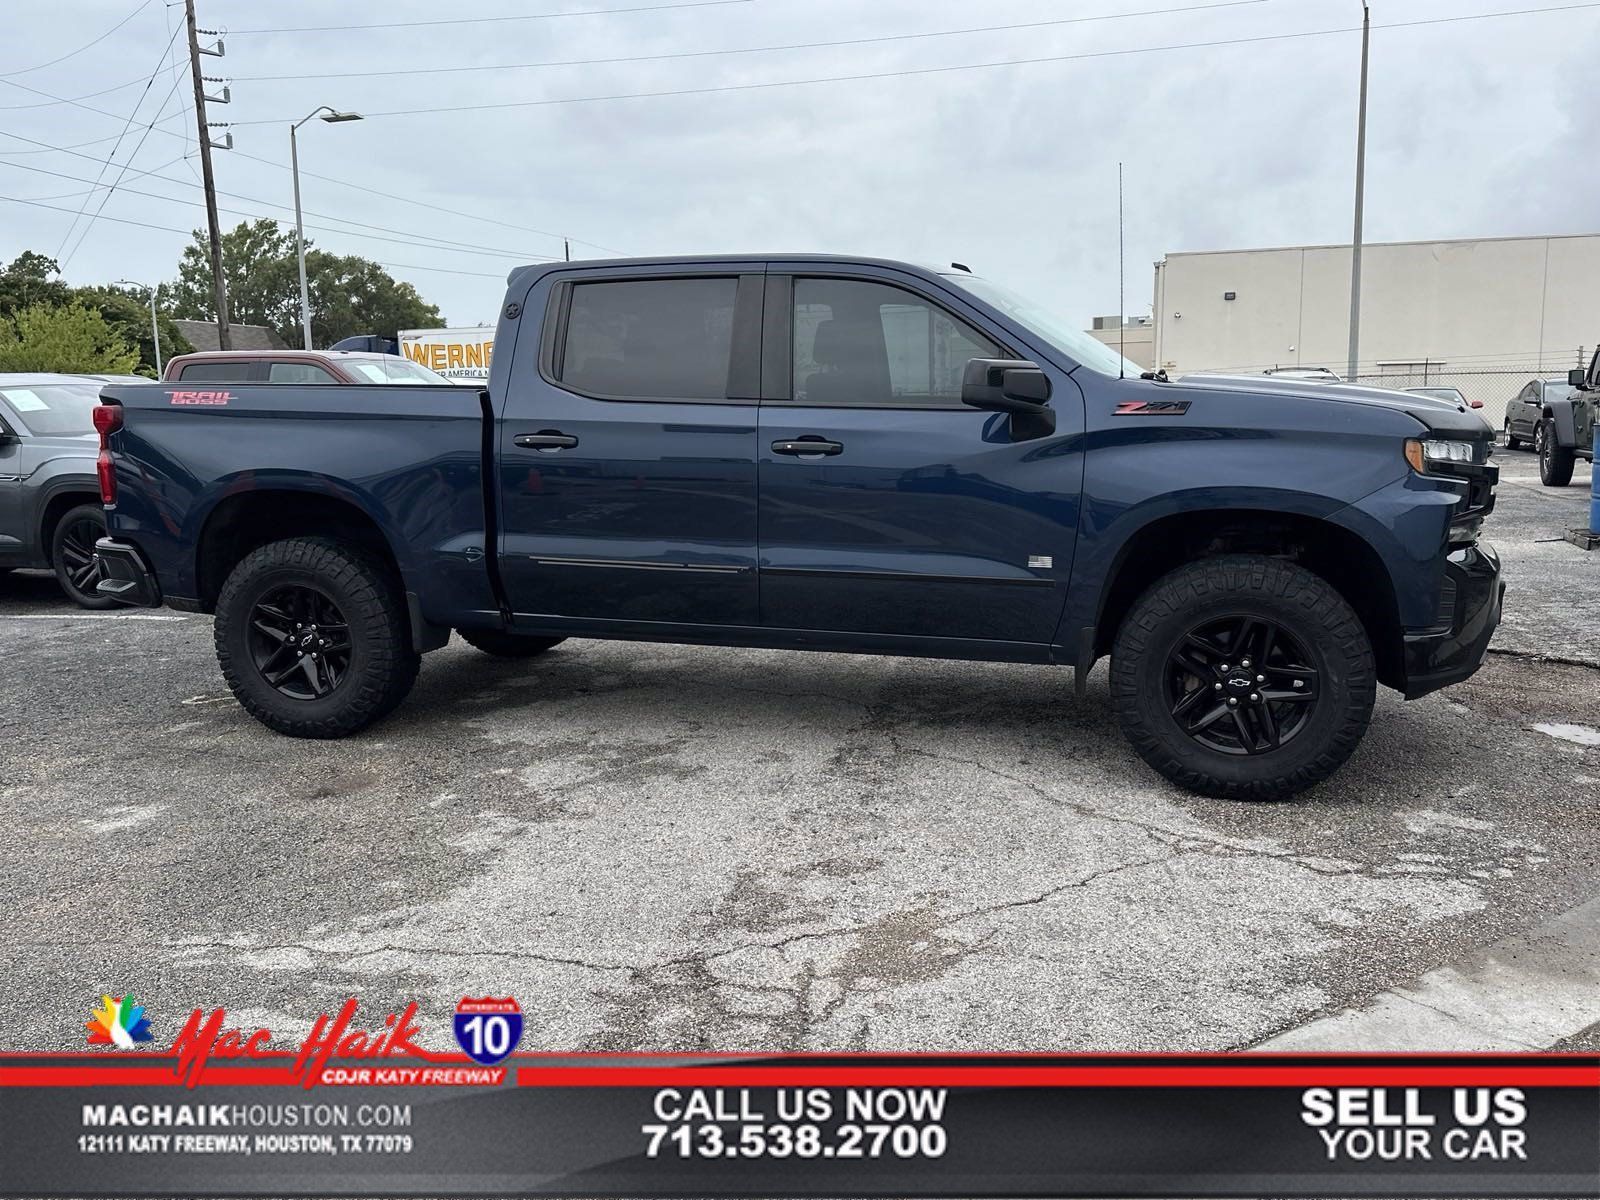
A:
[217, 372]
[650, 339]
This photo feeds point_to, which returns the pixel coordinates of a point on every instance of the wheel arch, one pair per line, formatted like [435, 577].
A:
[1343, 558]
[245, 521]
[61, 496]
[1559, 414]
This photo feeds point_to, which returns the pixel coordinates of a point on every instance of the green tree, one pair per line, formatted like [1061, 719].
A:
[27, 281]
[351, 295]
[128, 315]
[348, 294]
[72, 338]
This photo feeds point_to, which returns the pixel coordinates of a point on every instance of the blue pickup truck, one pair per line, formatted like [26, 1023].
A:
[824, 453]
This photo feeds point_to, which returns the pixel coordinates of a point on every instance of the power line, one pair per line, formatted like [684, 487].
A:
[409, 237]
[87, 45]
[826, 45]
[190, 232]
[128, 124]
[545, 16]
[1013, 62]
[361, 187]
[184, 137]
[52, 103]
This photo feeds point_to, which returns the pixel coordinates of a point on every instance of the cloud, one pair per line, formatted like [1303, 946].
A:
[1476, 128]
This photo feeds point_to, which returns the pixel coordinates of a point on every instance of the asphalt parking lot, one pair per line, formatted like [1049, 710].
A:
[660, 847]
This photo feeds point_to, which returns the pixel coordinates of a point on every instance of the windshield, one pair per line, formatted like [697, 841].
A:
[1073, 342]
[391, 368]
[55, 408]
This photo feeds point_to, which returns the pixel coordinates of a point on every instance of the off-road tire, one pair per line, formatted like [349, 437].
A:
[66, 549]
[1555, 460]
[382, 665]
[1243, 585]
[508, 645]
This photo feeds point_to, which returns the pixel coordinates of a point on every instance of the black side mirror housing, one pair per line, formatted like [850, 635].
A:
[1008, 385]
[1014, 386]
[1576, 377]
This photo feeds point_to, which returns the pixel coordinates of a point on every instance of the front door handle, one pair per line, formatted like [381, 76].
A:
[809, 446]
[546, 439]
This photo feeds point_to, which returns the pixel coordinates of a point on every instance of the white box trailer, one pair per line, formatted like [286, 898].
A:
[460, 355]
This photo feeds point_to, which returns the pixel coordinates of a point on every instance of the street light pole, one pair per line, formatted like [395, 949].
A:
[155, 328]
[333, 116]
[1361, 180]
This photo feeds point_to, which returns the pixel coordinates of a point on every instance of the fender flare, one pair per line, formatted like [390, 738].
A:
[1559, 414]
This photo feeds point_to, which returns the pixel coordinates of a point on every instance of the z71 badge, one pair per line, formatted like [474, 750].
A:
[1151, 408]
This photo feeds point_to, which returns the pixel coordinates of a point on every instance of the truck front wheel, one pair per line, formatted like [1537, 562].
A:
[312, 638]
[1243, 677]
[1555, 460]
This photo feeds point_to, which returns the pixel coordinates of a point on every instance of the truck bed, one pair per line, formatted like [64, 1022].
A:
[420, 452]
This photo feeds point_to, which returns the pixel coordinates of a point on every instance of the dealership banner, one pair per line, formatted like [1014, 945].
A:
[358, 1108]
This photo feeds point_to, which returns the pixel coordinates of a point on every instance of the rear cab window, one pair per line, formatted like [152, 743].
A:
[216, 372]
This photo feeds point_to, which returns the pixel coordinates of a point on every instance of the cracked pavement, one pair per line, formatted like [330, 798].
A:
[685, 848]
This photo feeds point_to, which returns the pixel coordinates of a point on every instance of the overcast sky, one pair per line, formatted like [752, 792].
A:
[1476, 128]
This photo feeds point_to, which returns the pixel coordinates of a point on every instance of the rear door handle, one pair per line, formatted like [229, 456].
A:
[809, 446]
[546, 439]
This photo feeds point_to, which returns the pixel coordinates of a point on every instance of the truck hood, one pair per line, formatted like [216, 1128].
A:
[1439, 416]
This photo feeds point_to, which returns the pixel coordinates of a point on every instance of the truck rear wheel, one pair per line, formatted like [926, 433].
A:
[312, 638]
[1555, 460]
[1243, 677]
[508, 645]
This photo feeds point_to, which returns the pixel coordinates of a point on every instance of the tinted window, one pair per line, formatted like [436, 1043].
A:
[869, 343]
[298, 372]
[216, 372]
[651, 338]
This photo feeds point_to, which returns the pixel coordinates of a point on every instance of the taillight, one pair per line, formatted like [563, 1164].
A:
[107, 420]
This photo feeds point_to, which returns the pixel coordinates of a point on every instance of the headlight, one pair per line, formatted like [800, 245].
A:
[1439, 450]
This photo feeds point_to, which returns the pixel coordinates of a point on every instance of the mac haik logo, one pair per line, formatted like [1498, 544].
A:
[120, 1022]
[205, 1037]
[488, 1029]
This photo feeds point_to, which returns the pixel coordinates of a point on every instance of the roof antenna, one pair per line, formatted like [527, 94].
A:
[1122, 303]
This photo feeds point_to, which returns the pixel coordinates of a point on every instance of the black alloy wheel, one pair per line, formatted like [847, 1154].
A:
[300, 642]
[84, 571]
[77, 564]
[1241, 685]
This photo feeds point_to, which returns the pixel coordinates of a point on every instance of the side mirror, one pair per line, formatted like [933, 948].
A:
[1577, 377]
[1008, 385]
[6, 436]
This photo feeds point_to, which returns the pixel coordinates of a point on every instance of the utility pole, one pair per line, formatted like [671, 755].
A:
[1361, 182]
[218, 282]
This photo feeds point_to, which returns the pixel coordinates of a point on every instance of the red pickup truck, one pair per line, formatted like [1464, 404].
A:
[296, 366]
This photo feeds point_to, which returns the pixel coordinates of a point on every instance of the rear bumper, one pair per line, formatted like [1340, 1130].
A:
[1439, 658]
[126, 576]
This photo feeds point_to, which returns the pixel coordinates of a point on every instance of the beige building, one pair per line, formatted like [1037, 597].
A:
[1473, 313]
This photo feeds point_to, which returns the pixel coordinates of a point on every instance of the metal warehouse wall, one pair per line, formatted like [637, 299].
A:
[1488, 310]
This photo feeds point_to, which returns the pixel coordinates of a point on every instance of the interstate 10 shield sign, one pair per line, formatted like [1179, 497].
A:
[488, 1029]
